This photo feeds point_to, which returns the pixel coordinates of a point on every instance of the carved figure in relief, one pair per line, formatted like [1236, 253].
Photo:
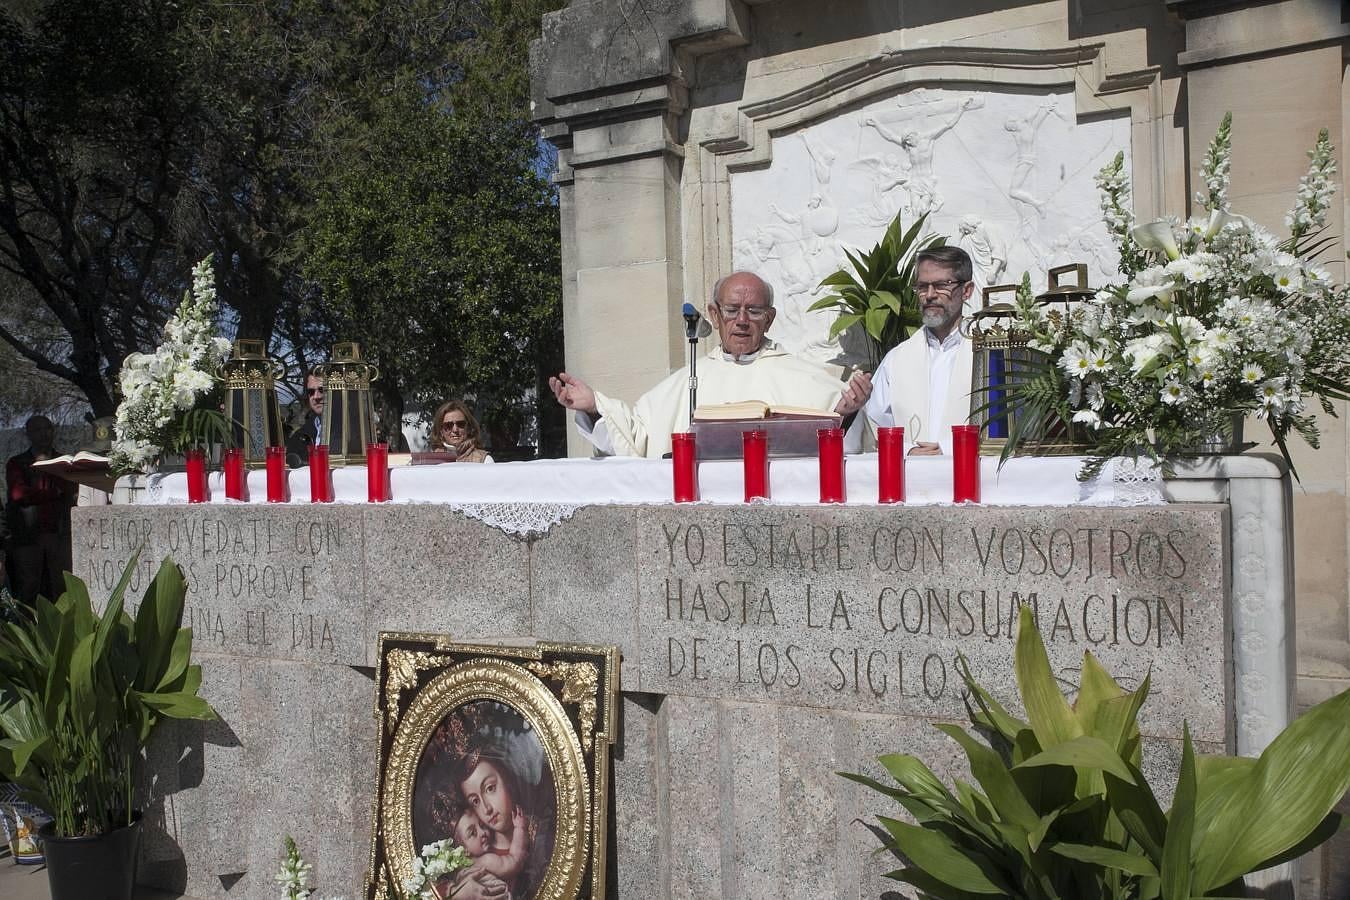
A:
[886, 174]
[822, 160]
[1023, 132]
[918, 146]
[986, 247]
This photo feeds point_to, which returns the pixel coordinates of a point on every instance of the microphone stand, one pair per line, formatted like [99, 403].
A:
[693, 374]
[692, 331]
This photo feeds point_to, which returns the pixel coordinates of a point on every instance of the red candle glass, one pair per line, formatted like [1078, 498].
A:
[684, 454]
[755, 452]
[891, 465]
[196, 476]
[831, 442]
[377, 472]
[320, 488]
[276, 474]
[965, 464]
[234, 474]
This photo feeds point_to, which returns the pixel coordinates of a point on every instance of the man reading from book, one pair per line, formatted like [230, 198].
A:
[747, 366]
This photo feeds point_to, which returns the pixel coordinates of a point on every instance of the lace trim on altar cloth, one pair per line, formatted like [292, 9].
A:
[524, 519]
[1126, 482]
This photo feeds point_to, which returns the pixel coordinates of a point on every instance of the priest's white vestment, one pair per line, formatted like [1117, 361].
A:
[772, 376]
[902, 391]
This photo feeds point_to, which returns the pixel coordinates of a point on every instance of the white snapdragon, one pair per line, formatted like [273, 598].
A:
[1214, 170]
[1315, 191]
[158, 387]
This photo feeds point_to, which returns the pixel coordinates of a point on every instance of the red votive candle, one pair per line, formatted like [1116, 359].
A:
[276, 474]
[755, 452]
[196, 476]
[320, 488]
[965, 464]
[890, 465]
[234, 474]
[377, 472]
[831, 442]
[684, 454]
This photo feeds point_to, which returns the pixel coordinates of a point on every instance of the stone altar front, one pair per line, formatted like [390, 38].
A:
[765, 648]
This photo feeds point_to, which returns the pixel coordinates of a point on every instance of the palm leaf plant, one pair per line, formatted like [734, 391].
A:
[82, 692]
[1060, 807]
[878, 291]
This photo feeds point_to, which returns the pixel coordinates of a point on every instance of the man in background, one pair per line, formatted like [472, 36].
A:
[308, 431]
[37, 515]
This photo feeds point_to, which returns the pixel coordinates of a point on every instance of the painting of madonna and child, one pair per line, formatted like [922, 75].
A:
[484, 781]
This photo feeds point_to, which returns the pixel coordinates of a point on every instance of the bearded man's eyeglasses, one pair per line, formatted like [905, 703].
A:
[456, 425]
[943, 288]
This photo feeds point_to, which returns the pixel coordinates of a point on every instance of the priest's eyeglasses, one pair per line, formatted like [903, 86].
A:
[943, 288]
[753, 313]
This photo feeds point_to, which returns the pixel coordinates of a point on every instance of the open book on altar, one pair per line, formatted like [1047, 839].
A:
[89, 469]
[757, 409]
[791, 430]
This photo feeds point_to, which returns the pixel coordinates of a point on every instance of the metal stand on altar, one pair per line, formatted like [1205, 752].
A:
[695, 327]
[251, 400]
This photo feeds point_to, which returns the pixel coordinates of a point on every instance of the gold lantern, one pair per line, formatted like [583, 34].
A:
[251, 400]
[1000, 355]
[348, 422]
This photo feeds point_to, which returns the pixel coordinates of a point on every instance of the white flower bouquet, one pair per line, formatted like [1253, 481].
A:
[437, 860]
[165, 395]
[1218, 318]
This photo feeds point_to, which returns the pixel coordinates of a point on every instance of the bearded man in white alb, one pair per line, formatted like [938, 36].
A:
[923, 385]
[746, 366]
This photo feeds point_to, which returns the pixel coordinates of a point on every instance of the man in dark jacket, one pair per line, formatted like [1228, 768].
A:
[299, 441]
[38, 517]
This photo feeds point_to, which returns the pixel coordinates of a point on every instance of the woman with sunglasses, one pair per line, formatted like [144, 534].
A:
[454, 428]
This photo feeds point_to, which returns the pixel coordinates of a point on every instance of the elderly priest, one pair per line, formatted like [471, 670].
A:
[746, 366]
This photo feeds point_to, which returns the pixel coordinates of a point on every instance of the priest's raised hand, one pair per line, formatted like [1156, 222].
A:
[573, 393]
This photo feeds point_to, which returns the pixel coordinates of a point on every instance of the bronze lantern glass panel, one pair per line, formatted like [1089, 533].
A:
[251, 400]
[348, 422]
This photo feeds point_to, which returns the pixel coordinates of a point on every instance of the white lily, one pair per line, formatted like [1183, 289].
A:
[1157, 235]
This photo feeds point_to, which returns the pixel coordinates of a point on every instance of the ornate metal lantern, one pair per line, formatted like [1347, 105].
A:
[1066, 294]
[251, 400]
[348, 422]
[1000, 354]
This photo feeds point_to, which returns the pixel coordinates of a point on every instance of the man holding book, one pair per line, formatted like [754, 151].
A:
[747, 366]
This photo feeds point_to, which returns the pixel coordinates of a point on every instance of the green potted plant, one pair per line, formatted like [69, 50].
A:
[80, 696]
[1060, 807]
[880, 297]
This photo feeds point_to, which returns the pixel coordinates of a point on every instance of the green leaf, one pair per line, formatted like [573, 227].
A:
[1176, 858]
[875, 321]
[1082, 752]
[845, 320]
[1047, 710]
[990, 771]
[177, 705]
[936, 855]
[1138, 811]
[1296, 781]
[1123, 860]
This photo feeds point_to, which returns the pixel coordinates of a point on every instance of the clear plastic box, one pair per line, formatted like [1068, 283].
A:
[794, 436]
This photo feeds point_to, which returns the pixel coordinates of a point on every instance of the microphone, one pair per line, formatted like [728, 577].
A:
[695, 326]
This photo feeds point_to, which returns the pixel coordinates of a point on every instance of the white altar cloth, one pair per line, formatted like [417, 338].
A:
[1040, 481]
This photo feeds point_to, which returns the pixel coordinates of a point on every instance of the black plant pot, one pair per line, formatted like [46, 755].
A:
[102, 867]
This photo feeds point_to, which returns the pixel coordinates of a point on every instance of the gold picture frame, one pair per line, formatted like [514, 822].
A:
[504, 749]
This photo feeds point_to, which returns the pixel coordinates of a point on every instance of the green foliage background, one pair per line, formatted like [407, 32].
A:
[361, 171]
